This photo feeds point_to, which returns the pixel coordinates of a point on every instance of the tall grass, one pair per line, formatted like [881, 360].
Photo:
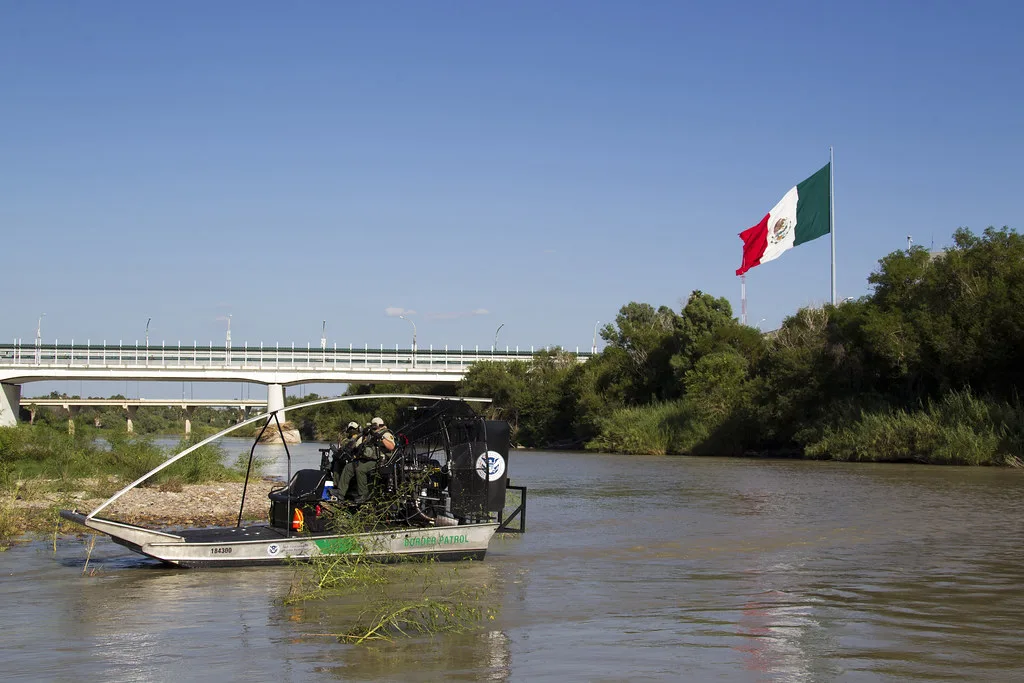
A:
[43, 452]
[959, 429]
[28, 451]
[10, 524]
[202, 465]
[655, 429]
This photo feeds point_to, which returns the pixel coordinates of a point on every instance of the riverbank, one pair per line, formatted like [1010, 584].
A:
[36, 509]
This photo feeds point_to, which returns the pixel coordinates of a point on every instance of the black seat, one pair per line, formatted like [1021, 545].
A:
[306, 486]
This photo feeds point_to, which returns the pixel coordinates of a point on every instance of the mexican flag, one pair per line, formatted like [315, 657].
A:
[801, 216]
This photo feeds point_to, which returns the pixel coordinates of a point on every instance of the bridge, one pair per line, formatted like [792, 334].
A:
[130, 405]
[274, 366]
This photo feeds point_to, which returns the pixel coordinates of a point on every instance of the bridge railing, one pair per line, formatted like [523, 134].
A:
[248, 357]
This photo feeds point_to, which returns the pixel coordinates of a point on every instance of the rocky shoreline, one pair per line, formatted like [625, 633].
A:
[194, 505]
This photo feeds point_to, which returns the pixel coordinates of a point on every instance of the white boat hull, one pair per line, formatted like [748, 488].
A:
[264, 545]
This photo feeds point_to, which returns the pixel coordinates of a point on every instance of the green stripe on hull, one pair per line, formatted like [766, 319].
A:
[338, 546]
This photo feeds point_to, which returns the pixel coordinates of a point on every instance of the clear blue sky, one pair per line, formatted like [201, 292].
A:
[537, 164]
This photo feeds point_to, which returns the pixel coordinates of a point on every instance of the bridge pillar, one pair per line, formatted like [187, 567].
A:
[275, 400]
[72, 411]
[10, 403]
[188, 419]
[131, 413]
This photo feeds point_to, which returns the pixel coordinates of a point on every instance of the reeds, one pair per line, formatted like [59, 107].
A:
[960, 429]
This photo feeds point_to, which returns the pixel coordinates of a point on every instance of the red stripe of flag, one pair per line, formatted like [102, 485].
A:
[755, 241]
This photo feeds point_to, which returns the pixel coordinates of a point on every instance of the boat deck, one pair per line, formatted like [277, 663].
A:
[260, 532]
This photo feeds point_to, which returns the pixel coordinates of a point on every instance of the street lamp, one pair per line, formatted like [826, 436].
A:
[147, 332]
[495, 346]
[323, 337]
[413, 338]
[593, 347]
[227, 343]
[39, 337]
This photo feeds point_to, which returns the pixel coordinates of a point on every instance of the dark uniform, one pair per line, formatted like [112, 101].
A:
[372, 449]
[347, 447]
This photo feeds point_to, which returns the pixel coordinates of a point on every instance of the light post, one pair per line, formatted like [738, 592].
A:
[323, 337]
[494, 347]
[39, 337]
[593, 346]
[227, 343]
[413, 338]
[147, 333]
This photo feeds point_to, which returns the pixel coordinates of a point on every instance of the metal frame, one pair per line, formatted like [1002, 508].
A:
[520, 512]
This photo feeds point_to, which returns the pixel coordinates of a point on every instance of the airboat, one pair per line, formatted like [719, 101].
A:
[440, 494]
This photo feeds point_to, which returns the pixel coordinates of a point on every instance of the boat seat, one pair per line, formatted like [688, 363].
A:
[306, 486]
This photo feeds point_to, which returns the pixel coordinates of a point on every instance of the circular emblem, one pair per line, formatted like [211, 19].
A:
[490, 465]
[781, 229]
[273, 549]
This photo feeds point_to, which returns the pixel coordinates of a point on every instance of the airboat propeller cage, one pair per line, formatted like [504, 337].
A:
[479, 466]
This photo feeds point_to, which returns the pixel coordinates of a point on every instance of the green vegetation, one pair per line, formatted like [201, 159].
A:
[924, 369]
[10, 527]
[38, 451]
[381, 601]
[152, 420]
[958, 430]
[38, 458]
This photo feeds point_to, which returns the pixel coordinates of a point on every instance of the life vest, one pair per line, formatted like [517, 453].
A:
[298, 519]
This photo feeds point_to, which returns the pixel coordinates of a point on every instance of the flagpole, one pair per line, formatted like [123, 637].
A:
[743, 298]
[832, 220]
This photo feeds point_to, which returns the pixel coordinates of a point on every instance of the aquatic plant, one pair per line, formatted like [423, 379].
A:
[394, 599]
[442, 606]
[10, 524]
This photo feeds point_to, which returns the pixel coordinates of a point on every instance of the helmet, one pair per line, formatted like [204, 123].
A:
[352, 425]
[376, 422]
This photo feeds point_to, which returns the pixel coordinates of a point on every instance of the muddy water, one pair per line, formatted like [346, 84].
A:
[633, 569]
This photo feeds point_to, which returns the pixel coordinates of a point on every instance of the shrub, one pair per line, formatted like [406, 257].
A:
[961, 429]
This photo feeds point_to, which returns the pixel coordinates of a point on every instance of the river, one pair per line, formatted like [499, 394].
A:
[632, 568]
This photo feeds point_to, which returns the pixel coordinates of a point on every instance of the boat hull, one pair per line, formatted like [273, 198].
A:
[260, 545]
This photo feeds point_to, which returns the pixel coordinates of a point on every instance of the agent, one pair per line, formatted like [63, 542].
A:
[374, 447]
[348, 446]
